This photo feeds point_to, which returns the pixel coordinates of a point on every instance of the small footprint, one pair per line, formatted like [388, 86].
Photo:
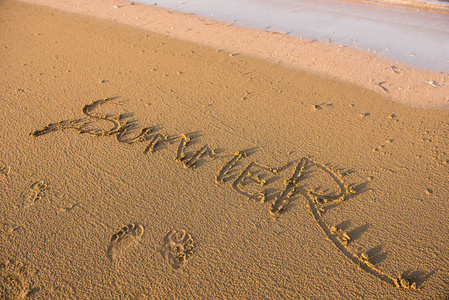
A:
[7, 229]
[34, 193]
[4, 169]
[13, 281]
[126, 238]
[382, 146]
[322, 105]
[178, 247]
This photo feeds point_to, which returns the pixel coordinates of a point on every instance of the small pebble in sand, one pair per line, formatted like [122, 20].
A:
[429, 191]
[433, 83]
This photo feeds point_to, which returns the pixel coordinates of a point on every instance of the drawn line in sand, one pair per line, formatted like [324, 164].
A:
[178, 248]
[81, 125]
[123, 240]
[33, 194]
[178, 245]
[318, 204]
[226, 168]
[13, 281]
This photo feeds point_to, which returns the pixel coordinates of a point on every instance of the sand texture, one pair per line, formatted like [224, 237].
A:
[138, 166]
[398, 82]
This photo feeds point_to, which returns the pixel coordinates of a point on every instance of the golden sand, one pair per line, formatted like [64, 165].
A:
[138, 166]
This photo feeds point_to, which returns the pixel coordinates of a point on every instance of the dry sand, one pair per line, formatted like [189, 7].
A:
[138, 166]
[398, 82]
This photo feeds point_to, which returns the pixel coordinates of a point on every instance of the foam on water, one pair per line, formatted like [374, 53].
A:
[420, 39]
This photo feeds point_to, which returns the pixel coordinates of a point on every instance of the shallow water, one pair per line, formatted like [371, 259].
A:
[416, 38]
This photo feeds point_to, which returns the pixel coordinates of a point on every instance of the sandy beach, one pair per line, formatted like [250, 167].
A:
[149, 154]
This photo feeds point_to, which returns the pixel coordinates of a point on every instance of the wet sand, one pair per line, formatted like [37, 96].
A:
[415, 36]
[398, 82]
[432, 6]
[139, 166]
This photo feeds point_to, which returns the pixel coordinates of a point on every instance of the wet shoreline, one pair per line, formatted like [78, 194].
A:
[417, 38]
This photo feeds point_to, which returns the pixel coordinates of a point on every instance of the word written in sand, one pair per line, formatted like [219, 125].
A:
[250, 182]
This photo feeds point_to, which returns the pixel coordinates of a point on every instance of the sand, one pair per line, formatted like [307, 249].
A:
[135, 165]
[395, 81]
[433, 6]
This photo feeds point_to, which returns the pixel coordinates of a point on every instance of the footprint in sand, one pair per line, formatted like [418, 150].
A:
[127, 237]
[178, 247]
[6, 229]
[33, 194]
[13, 281]
[4, 169]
